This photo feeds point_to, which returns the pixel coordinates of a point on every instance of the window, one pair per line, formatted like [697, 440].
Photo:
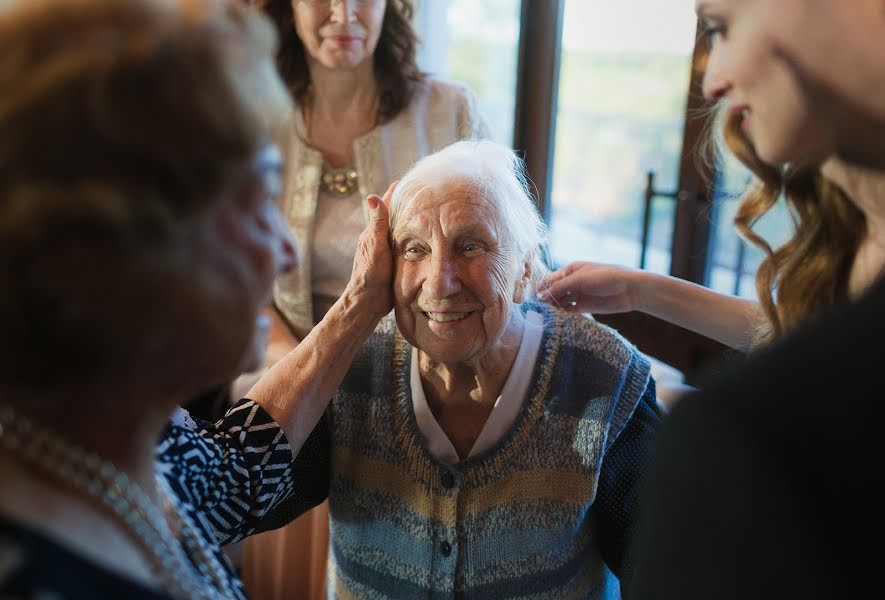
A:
[733, 262]
[610, 92]
[624, 75]
[475, 43]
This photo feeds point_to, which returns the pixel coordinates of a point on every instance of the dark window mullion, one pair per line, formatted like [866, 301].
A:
[533, 136]
[537, 84]
[691, 231]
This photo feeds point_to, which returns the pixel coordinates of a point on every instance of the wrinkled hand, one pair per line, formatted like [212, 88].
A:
[590, 287]
[372, 275]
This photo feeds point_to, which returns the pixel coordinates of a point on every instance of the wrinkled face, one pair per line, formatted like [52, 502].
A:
[339, 34]
[782, 116]
[455, 284]
[251, 245]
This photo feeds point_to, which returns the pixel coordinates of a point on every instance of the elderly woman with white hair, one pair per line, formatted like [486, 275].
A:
[481, 444]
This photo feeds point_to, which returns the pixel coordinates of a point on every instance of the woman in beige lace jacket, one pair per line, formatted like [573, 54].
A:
[365, 114]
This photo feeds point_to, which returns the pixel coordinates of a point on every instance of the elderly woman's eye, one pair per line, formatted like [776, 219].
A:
[473, 249]
[413, 252]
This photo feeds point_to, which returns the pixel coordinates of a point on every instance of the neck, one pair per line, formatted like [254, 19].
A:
[44, 497]
[866, 188]
[478, 380]
[121, 428]
[868, 266]
[337, 93]
[859, 118]
[874, 213]
[867, 191]
[69, 517]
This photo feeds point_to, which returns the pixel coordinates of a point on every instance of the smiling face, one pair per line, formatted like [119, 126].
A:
[250, 245]
[837, 47]
[268, 243]
[456, 283]
[339, 34]
[782, 117]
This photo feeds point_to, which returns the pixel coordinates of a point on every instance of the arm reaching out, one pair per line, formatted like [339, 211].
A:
[296, 390]
[604, 289]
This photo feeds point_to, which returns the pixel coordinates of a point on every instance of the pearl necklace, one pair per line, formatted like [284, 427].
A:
[197, 575]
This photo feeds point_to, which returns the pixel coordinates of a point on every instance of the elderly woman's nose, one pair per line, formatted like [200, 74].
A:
[442, 278]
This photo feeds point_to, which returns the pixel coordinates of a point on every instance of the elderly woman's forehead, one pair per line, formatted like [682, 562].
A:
[462, 191]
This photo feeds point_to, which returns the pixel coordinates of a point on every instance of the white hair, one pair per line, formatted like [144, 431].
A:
[496, 172]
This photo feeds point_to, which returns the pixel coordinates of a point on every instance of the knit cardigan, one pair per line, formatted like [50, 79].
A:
[516, 521]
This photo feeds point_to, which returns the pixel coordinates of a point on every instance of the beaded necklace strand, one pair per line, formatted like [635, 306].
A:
[194, 574]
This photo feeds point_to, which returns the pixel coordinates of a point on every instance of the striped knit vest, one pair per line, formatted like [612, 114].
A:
[514, 522]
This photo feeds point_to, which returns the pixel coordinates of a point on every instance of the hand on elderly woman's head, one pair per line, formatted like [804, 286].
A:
[373, 264]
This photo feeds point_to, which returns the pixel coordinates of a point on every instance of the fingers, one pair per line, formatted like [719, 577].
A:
[560, 273]
[559, 294]
[563, 288]
[377, 208]
[557, 283]
[388, 195]
[554, 289]
[572, 306]
[565, 301]
[373, 264]
[568, 288]
[374, 239]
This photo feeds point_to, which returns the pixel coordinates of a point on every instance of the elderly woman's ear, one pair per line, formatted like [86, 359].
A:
[523, 282]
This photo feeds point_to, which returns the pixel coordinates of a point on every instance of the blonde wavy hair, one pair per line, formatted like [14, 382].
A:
[810, 271]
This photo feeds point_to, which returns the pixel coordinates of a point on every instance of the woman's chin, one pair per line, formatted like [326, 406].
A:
[448, 353]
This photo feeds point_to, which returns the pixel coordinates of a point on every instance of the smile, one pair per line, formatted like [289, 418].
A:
[343, 40]
[447, 317]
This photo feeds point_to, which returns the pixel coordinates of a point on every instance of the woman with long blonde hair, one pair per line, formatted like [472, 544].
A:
[767, 484]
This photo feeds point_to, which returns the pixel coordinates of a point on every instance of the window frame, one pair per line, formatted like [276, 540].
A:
[533, 137]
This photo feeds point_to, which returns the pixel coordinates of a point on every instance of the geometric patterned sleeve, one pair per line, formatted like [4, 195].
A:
[230, 474]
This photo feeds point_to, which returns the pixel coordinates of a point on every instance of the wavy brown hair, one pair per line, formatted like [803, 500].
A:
[396, 71]
[810, 270]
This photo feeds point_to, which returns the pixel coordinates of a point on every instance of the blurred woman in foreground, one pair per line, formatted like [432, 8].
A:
[139, 241]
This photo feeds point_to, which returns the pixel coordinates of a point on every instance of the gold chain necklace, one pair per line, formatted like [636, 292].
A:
[341, 182]
[202, 576]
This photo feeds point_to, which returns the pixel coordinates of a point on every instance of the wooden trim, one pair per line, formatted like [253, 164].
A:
[691, 353]
[691, 230]
[537, 86]
[533, 137]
